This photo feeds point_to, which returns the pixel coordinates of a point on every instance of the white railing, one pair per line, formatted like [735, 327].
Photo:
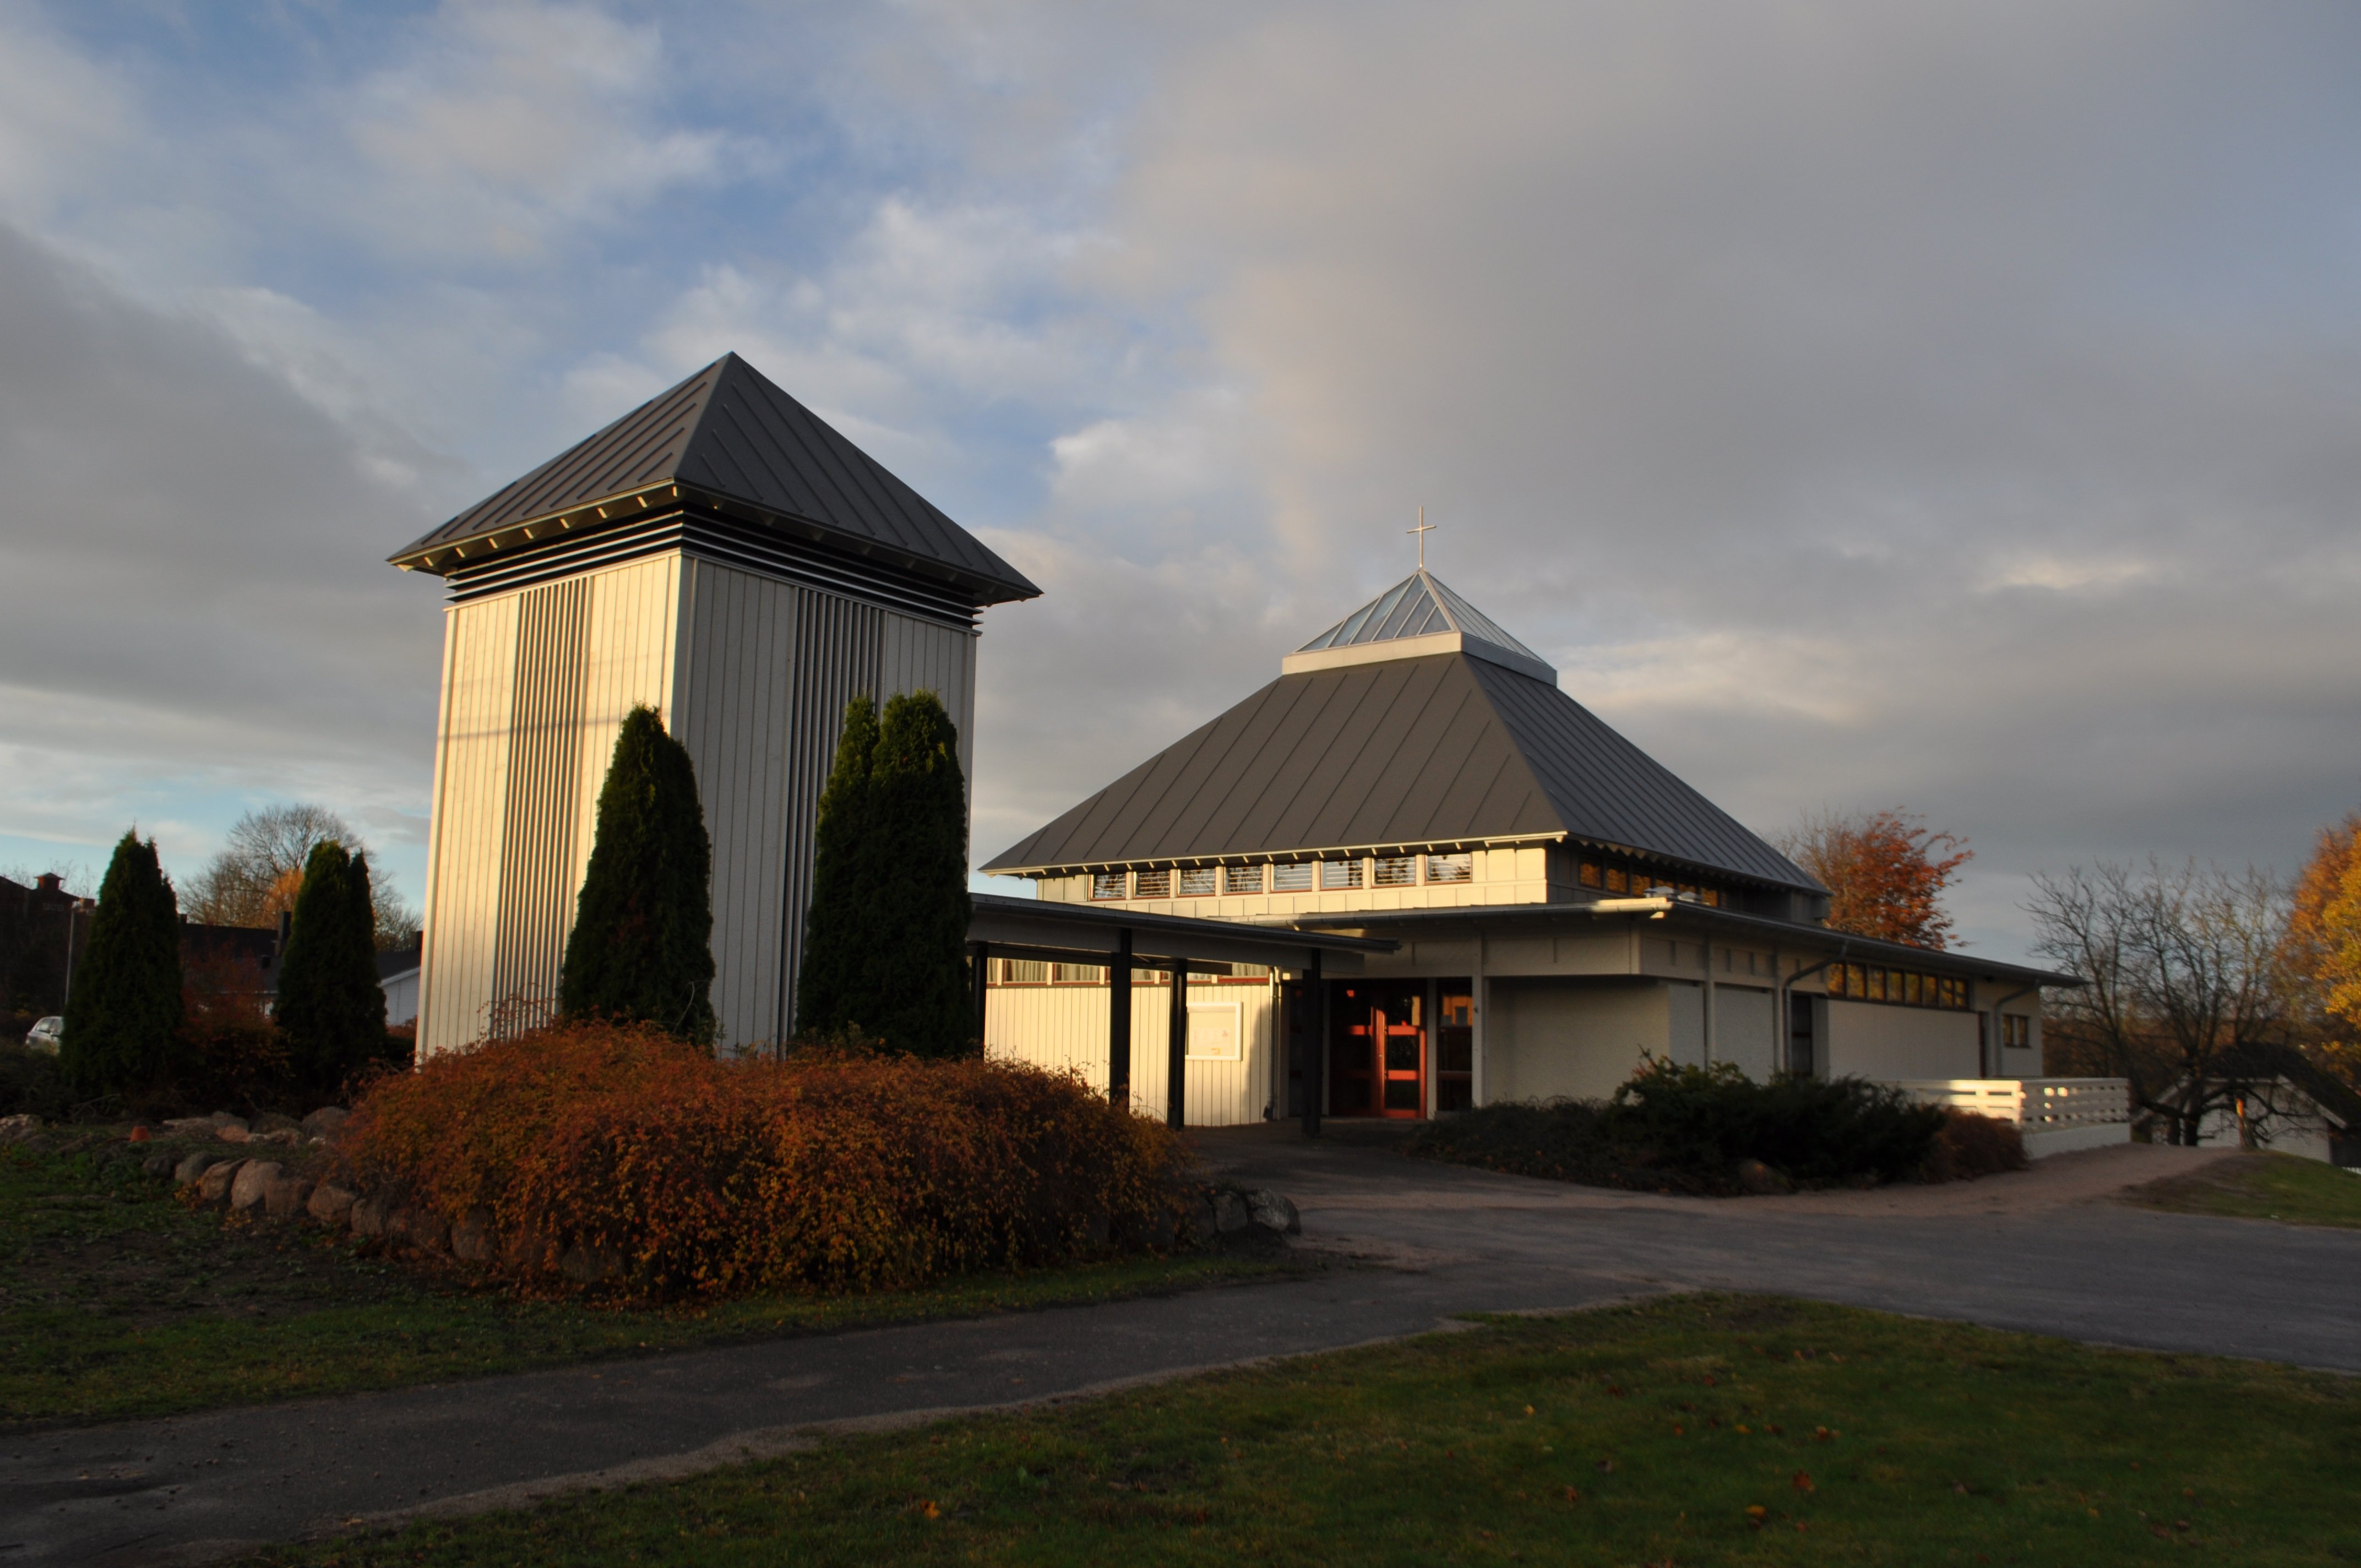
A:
[2036, 1104]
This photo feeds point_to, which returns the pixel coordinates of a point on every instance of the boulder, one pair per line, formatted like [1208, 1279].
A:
[330, 1204]
[323, 1123]
[1230, 1213]
[289, 1138]
[369, 1216]
[213, 1186]
[16, 1129]
[588, 1265]
[195, 1166]
[420, 1228]
[158, 1165]
[227, 1119]
[231, 1133]
[471, 1238]
[272, 1121]
[253, 1177]
[284, 1198]
[179, 1124]
[1758, 1177]
[1273, 1212]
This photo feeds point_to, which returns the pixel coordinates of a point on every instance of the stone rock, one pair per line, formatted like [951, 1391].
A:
[189, 1124]
[272, 1121]
[323, 1123]
[158, 1165]
[213, 1186]
[291, 1137]
[330, 1204]
[369, 1216]
[254, 1178]
[231, 1134]
[1273, 1212]
[588, 1265]
[420, 1228]
[16, 1129]
[471, 1238]
[194, 1166]
[1758, 1177]
[1230, 1213]
[227, 1119]
[284, 1198]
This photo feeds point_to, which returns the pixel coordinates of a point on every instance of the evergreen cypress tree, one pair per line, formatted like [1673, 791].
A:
[642, 948]
[331, 1010]
[124, 1010]
[837, 931]
[914, 880]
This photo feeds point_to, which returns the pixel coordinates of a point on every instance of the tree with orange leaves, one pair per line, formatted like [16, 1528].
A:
[1885, 871]
[2322, 948]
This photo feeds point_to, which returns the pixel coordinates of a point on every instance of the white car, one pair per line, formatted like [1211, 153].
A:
[45, 1035]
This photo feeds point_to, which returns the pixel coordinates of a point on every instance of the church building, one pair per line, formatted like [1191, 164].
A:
[1545, 903]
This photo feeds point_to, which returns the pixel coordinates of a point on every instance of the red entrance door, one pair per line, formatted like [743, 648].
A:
[1376, 1052]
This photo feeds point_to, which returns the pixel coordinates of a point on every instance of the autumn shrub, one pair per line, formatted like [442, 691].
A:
[596, 1151]
[1968, 1146]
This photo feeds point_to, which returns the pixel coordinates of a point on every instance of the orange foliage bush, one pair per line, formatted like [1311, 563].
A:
[638, 1158]
[1968, 1146]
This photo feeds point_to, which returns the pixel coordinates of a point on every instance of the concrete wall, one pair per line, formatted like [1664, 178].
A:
[1064, 1027]
[1546, 1038]
[1741, 1030]
[1868, 1039]
[751, 675]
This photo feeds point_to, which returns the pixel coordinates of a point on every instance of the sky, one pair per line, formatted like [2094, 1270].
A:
[1943, 406]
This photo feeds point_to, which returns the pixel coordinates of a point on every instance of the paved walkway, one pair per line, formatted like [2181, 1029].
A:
[2039, 1251]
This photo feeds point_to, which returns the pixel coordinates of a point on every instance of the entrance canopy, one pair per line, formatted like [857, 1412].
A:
[1081, 933]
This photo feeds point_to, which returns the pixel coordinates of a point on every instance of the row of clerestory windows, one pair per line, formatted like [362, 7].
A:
[1619, 876]
[1343, 873]
[1896, 987]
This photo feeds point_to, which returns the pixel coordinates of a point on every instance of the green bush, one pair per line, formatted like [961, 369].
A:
[331, 1013]
[1687, 1129]
[124, 1012]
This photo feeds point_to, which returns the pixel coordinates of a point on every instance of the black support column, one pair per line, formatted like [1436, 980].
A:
[979, 957]
[1176, 1035]
[1315, 1044]
[1119, 1021]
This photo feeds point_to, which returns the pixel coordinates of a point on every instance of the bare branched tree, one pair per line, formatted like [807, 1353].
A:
[2186, 994]
[256, 875]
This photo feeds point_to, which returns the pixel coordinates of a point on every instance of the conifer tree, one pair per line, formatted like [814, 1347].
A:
[836, 931]
[915, 995]
[642, 948]
[331, 1010]
[124, 1010]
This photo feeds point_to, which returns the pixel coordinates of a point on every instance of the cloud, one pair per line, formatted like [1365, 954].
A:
[198, 600]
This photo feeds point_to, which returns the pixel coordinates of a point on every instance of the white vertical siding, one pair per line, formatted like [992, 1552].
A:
[1064, 1027]
[751, 673]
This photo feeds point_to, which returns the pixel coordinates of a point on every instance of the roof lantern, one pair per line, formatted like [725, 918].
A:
[1417, 617]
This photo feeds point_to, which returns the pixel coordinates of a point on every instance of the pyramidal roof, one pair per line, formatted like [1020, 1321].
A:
[729, 434]
[1408, 745]
[1416, 617]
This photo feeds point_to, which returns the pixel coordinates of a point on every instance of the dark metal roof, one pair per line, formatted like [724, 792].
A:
[1446, 749]
[1418, 606]
[729, 434]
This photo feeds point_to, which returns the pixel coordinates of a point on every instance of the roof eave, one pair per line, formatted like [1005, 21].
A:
[440, 557]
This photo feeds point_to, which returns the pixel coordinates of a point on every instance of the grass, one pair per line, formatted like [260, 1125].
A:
[1691, 1430]
[2262, 1186]
[116, 1300]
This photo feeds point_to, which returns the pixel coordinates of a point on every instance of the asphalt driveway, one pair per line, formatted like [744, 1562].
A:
[2044, 1251]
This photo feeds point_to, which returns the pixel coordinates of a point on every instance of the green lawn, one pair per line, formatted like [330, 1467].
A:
[2262, 1186]
[117, 1300]
[1693, 1431]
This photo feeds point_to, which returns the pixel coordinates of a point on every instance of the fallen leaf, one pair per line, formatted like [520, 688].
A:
[1821, 1434]
[933, 1512]
[1756, 1511]
[1572, 1496]
[1802, 1482]
[1676, 1430]
[1528, 1409]
[1745, 1428]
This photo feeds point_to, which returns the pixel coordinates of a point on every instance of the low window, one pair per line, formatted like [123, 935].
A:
[1110, 884]
[1340, 874]
[1291, 879]
[1396, 871]
[1589, 873]
[1023, 972]
[2017, 1031]
[1152, 884]
[1076, 974]
[1197, 881]
[1450, 868]
[1616, 881]
[1242, 878]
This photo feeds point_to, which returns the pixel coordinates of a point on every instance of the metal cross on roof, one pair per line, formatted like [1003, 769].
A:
[1422, 530]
